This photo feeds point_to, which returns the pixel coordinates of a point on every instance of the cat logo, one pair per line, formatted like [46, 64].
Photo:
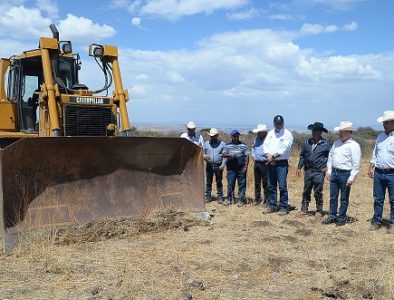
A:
[89, 100]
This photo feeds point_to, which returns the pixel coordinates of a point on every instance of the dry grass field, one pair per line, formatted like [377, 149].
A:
[240, 254]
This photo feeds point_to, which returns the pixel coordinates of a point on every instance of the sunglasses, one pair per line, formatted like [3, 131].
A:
[388, 122]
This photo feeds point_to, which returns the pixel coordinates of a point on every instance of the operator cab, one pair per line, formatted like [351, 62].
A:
[25, 78]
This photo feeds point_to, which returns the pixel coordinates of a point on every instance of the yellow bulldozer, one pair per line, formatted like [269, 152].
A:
[67, 154]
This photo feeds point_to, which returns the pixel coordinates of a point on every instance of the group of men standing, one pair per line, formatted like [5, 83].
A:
[270, 153]
[338, 162]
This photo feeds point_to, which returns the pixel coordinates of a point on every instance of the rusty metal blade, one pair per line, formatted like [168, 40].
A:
[64, 180]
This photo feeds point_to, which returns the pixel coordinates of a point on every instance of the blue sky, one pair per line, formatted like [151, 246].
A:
[229, 63]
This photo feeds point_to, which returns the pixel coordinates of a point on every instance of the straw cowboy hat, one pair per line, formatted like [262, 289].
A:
[191, 125]
[260, 128]
[345, 126]
[388, 115]
[213, 132]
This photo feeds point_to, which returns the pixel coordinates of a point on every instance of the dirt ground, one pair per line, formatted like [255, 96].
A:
[239, 254]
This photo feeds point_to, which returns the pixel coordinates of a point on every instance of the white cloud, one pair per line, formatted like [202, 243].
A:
[243, 14]
[281, 17]
[11, 47]
[7, 4]
[341, 5]
[350, 27]
[312, 29]
[142, 77]
[118, 4]
[136, 22]
[80, 29]
[336, 68]
[49, 7]
[135, 6]
[259, 69]
[174, 77]
[331, 28]
[139, 90]
[333, 4]
[176, 9]
[21, 22]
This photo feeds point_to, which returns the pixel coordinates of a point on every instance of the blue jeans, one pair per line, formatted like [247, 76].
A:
[232, 177]
[338, 181]
[381, 182]
[210, 171]
[277, 174]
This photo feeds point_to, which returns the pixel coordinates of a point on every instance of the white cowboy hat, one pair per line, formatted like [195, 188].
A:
[191, 125]
[345, 126]
[213, 132]
[388, 115]
[260, 127]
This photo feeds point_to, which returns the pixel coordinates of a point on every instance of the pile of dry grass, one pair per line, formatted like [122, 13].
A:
[101, 230]
[126, 227]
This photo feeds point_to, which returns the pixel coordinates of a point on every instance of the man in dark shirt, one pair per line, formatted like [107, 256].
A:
[313, 159]
[236, 155]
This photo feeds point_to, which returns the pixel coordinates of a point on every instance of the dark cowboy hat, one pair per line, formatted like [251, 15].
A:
[317, 126]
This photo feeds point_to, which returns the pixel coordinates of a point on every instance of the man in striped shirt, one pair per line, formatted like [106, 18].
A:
[236, 154]
[213, 155]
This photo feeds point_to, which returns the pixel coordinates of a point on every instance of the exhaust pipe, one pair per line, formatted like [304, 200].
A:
[55, 32]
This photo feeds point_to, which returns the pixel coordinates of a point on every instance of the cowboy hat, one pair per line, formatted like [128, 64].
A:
[191, 125]
[317, 126]
[388, 115]
[260, 128]
[345, 126]
[213, 132]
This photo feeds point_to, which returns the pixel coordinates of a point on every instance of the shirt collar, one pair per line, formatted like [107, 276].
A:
[214, 142]
[279, 131]
[322, 140]
[319, 142]
[348, 141]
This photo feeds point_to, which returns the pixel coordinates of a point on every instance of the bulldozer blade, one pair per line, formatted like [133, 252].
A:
[65, 180]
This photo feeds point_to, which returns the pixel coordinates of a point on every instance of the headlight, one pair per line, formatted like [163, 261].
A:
[66, 47]
[96, 50]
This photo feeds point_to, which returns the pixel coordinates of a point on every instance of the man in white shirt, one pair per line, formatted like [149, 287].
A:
[381, 169]
[191, 134]
[277, 147]
[342, 167]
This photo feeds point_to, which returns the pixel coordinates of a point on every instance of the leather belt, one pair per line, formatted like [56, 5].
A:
[384, 171]
[336, 170]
